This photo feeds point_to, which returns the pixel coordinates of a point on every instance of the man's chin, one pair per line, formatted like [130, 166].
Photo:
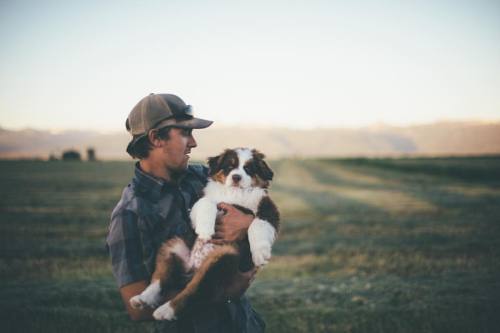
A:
[178, 170]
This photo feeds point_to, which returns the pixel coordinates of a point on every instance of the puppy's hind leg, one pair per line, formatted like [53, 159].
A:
[222, 261]
[171, 258]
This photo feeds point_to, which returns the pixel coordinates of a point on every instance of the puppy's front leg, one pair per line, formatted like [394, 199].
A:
[261, 236]
[203, 215]
[262, 232]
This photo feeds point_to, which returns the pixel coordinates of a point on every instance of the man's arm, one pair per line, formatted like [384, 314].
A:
[125, 249]
[240, 284]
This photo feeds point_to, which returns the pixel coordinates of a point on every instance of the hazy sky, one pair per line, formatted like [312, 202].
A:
[84, 64]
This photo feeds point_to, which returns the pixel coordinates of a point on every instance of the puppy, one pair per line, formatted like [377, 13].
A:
[239, 177]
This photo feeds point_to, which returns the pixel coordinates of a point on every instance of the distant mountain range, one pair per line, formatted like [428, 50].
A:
[444, 138]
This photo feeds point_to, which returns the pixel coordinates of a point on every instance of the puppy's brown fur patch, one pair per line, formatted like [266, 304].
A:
[224, 162]
[219, 177]
[169, 265]
[226, 257]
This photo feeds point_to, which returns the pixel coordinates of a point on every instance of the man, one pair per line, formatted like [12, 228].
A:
[155, 206]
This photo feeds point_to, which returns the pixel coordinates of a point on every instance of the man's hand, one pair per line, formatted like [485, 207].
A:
[240, 284]
[232, 226]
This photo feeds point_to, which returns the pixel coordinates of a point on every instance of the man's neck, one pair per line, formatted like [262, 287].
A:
[155, 169]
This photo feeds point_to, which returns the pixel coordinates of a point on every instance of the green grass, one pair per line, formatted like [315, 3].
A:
[367, 245]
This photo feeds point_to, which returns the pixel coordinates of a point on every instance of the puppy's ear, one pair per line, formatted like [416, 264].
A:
[263, 169]
[215, 163]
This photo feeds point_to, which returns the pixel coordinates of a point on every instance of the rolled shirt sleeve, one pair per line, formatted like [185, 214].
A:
[125, 249]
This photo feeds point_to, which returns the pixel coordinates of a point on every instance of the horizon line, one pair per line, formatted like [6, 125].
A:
[374, 125]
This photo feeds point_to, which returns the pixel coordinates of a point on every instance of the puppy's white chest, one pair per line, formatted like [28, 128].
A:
[248, 198]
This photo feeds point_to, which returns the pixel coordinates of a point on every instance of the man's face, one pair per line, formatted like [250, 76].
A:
[176, 149]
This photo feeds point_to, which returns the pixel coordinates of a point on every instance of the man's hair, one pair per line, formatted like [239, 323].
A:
[140, 148]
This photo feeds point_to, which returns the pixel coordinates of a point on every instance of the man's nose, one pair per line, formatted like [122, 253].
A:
[192, 142]
[236, 178]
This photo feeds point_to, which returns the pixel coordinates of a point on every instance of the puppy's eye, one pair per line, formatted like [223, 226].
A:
[231, 165]
[228, 164]
[248, 170]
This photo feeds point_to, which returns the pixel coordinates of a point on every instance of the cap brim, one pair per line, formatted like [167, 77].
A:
[193, 123]
[135, 138]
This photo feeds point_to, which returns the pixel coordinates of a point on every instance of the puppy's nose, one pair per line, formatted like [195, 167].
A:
[236, 178]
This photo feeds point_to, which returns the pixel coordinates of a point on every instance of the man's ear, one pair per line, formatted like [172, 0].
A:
[154, 139]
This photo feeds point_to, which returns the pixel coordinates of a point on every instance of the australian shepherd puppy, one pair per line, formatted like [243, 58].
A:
[239, 177]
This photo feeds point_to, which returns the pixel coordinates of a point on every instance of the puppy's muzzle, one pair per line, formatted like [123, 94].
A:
[236, 179]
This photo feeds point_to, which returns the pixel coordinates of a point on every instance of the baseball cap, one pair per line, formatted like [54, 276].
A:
[161, 110]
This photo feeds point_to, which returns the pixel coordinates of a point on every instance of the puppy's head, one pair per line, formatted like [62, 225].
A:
[240, 167]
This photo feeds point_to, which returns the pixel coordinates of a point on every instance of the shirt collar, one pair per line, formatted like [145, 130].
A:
[147, 185]
[151, 186]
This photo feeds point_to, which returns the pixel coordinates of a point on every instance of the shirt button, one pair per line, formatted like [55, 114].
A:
[228, 301]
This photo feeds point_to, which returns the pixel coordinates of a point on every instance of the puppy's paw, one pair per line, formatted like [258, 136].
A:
[150, 297]
[165, 312]
[137, 302]
[261, 255]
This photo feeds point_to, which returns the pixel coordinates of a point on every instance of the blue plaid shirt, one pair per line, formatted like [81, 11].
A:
[151, 211]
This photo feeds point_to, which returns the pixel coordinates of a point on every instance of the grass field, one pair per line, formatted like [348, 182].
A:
[404, 245]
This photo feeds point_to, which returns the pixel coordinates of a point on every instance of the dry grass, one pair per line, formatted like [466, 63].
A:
[366, 246]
